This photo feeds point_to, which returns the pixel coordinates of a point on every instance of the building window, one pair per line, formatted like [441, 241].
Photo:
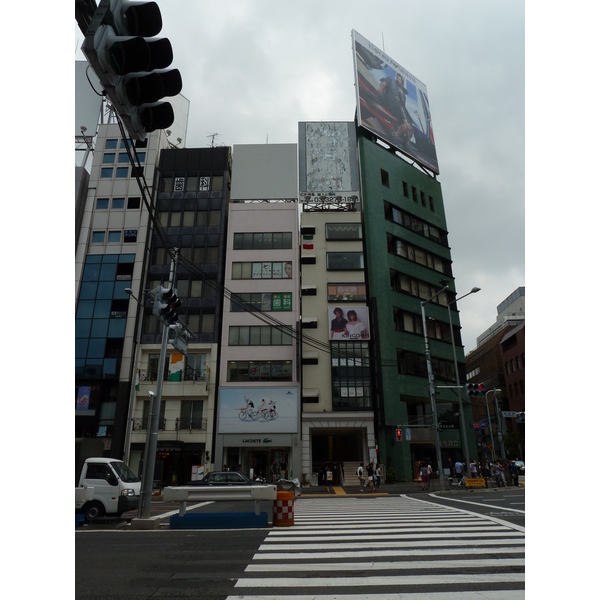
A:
[123, 158]
[259, 336]
[343, 231]
[126, 144]
[261, 270]
[261, 302]
[190, 416]
[259, 241]
[114, 236]
[399, 247]
[385, 178]
[259, 370]
[141, 156]
[423, 199]
[110, 144]
[346, 292]
[108, 158]
[98, 237]
[122, 172]
[137, 171]
[102, 203]
[133, 203]
[414, 193]
[106, 172]
[208, 323]
[405, 189]
[118, 203]
[350, 376]
[345, 261]
[146, 415]
[415, 287]
[431, 204]
[405, 219]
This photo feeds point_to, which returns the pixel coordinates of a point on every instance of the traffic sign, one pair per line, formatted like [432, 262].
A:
[479, 425]
[509, 413]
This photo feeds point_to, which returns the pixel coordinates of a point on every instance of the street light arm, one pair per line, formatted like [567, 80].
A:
[434, 296]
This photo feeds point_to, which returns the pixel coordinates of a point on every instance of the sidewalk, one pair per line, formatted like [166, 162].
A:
[407, 487]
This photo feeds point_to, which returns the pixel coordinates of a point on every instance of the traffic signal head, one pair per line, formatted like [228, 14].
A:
[130, 66]
[475, 389]
[165, 304]
[398, 434]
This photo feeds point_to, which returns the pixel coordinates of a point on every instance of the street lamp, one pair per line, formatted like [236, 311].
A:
[431, 379]
[460, 406]
[490, 420]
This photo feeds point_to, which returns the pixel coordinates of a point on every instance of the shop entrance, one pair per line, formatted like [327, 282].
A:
[272, 464]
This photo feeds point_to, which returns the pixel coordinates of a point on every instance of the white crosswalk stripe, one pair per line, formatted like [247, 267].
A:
[384, 548]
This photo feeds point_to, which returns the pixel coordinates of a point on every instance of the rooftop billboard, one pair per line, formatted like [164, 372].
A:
[393, 104]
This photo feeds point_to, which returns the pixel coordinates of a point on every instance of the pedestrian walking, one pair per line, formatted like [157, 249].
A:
[328, 478]
[377, 475]
[429, 472]
[473, 466]
[361, 477]
[514, 469]
[370, 476]
[424, 473]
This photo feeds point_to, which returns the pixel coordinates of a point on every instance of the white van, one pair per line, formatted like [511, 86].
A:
[116, 488]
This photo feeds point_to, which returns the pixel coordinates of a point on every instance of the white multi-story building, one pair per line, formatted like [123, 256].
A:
[258, 414]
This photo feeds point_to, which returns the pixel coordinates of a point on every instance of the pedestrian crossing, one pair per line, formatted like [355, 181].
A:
[388, 548]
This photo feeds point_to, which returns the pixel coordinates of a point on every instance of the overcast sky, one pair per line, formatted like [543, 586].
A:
[253, 70]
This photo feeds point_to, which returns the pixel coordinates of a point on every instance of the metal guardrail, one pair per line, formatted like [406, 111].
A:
[184, 494]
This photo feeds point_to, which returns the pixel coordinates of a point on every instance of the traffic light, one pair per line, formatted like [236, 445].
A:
[165, 303]
[398, 434]
[130, 67]
[475, 389]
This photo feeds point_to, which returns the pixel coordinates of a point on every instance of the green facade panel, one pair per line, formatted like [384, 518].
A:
[385, 178]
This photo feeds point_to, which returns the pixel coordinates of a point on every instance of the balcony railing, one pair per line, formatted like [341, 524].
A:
[188, 375]
[181, 424]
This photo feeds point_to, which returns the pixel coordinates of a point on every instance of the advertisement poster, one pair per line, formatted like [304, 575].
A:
[83, 398]
[349, 323]
[393, 104]
[258, 410]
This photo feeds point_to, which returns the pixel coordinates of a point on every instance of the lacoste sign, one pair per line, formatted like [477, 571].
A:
[257, 440]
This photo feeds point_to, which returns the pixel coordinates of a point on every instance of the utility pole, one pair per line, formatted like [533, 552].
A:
[152, 432]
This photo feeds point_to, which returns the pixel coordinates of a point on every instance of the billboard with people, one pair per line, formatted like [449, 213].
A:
[393, 104]
[349, 323]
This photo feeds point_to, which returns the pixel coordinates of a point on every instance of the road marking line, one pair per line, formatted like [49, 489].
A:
[427, 579]
[390, 566]
[477, 504]
[483, 595]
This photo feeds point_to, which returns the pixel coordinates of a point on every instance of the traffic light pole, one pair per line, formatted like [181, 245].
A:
[152, 433]
[431, 378]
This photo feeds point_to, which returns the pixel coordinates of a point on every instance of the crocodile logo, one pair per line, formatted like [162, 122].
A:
[267, 441]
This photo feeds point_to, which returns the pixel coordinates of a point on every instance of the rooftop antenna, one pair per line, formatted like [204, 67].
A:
[213, 136]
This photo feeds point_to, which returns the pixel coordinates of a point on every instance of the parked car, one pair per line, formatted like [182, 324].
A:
[223, 478]
[521, 466]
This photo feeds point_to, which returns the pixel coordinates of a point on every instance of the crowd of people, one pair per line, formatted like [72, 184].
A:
[506, 472]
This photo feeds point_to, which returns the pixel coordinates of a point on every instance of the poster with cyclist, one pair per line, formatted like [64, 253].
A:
[258, 410]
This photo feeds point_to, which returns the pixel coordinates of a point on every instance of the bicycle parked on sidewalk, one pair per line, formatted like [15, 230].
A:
[455, 483]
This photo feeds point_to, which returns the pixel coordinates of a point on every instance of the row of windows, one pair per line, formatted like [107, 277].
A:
[198, 323]
[243, 335]
[190, 218]
[192, 182]
[262, 241]
[473, 373]
[120, 172]
[128, 236]
[425, 200]
[350, 376]
[261, 270]
[405, 219]
[191, 288]
[345, 261]
[197, 256]
[261, 302]
[515, 364]
[411, 323]
[343, 231]
[520, 385]
[346, 292]
[398, 247]
[190, 415]
[194, 369]
[121, 158]
[103, 203]
[111, 144]
[411, 363]
[416, 288]
[259, 370]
